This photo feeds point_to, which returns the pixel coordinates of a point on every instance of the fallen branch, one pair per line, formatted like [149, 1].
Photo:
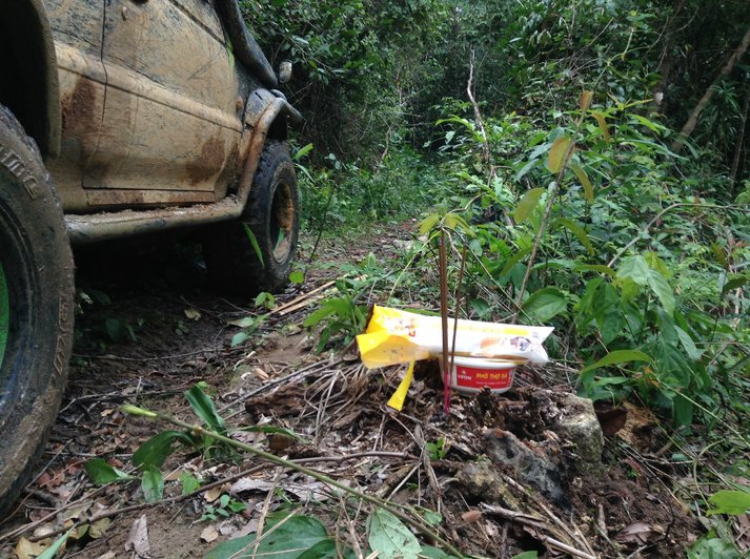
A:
[413, 520]
[299, 302]
[298, 375]
[535, 523]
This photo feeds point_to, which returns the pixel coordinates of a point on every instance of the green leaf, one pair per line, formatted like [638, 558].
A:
[682, 410]
[318, 316]
[51, 551]
[434, 553]
[733, 283]
[297, 277]
[205, 409]
[583, 178]
[600, 268]
[135, 410]
[390, 537]
[656, 263]
[687, 342]
[526, 555]
[578, 231]
[152, 484]
[156, 450]
[651, 125]
[455, 222]
[558, 153]
[515, 259]
[730, 502]
[713, 548]
[239, 338]
[254, 243]
[244, 322]
[428, 223]
[101, 473]
[634, 268]
[617, 357]
[527, 204]
[190, 483]
[303, 151]
[663, 292]
[296, 538]
[545, 303]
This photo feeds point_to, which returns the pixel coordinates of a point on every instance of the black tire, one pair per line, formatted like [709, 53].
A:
[36, 306]
[235, 263]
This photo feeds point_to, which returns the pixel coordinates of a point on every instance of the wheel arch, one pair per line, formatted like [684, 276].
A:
[265, 118]
[28, 72]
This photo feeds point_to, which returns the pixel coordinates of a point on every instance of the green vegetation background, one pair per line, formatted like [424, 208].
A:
[554, 140]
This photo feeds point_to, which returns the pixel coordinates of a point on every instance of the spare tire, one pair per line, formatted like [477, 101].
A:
[256, 253]
[36, 306]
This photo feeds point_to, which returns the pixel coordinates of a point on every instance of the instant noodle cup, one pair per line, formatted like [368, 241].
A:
[473, 374]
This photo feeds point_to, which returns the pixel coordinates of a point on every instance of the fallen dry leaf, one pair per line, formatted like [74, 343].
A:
[193, 314]
[137, 541]
[637, 532]
[174, 475]
[212, 494]
[209, 534]
[28, 550]
[250, 484]
[472, 515]
[108, 555]
[97, 529]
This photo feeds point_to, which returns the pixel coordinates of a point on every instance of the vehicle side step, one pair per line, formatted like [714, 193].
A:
[91, 228]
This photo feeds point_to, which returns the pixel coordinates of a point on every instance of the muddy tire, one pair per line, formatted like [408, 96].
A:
[256, 253]
[36, 306]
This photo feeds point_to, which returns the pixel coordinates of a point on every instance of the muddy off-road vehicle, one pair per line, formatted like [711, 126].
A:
[118, 118]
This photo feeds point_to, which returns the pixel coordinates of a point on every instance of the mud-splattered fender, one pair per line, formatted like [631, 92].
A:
[29, 39]
[266, 113]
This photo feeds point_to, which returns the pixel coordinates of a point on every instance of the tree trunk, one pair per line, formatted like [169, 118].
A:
[740, 141]
[692, 121]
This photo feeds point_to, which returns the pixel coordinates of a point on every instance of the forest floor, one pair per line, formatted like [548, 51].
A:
[151, 330]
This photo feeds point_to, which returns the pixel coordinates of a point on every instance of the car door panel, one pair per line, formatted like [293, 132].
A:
[77, 31]
[171, 120]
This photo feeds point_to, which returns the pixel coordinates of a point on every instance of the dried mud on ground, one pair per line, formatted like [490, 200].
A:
[172, 333]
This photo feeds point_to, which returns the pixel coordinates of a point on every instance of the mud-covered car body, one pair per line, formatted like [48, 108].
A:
[122, 117]
[140, 104]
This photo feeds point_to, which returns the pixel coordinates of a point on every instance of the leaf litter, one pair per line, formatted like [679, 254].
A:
[336, 408]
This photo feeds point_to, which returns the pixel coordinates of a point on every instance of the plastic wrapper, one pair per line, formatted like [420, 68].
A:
[394, 336]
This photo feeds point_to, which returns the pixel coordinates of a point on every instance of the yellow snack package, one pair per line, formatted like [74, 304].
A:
[394, 336]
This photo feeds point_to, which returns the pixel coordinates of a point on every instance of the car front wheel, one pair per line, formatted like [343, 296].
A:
[36, 306]
[256, 253]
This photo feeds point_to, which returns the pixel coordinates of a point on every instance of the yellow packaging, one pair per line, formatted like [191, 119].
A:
[394, 336]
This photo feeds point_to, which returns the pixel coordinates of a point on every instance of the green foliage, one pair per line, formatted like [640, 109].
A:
[286, 536]
[390, 537]
[52, 550]
[340, 315]
[437, 450]
[102, 473]
[628, 260]
[730, 502]
[151, 455]
[223, 508]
